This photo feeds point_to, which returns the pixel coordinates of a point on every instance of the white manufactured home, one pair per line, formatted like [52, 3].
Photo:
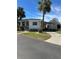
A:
[29, 24]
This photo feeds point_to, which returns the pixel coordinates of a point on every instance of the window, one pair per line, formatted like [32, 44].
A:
[27, 23]
[34, 23]
[18, 23]
[23, 23]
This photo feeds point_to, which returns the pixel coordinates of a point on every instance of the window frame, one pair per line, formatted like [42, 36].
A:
[34, 23]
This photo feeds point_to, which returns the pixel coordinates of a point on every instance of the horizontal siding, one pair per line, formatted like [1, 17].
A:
[34, 27]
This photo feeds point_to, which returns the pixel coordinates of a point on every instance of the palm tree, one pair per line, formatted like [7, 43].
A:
[44, 6]
[20, 15]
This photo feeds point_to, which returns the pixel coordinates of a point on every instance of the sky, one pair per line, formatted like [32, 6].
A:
[31, 9]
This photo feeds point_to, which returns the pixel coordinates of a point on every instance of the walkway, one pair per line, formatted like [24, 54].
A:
[55, 38]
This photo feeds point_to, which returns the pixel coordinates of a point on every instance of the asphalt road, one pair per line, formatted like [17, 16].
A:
[28, 48]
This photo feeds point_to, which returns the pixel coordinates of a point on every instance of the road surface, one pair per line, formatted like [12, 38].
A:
[28, 48]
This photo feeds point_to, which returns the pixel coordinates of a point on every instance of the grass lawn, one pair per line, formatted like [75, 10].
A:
[37, 35]
[59, 32]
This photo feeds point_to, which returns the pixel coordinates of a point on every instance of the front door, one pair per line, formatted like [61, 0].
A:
[27, 25]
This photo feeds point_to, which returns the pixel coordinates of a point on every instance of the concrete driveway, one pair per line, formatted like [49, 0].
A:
[28, 48]
[55, 38]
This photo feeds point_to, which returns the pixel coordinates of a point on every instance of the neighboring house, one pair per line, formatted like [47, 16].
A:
[53, 25]
[30, 24]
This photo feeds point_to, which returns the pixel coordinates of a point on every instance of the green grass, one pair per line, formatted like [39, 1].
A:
[36, 35]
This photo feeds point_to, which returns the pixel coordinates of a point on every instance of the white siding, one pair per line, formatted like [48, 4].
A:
[31, 26]
[51, 26]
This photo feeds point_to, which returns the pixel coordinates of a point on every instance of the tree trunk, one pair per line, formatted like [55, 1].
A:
[42, 23]
[20, 27]
[43, 20]
[20, 18]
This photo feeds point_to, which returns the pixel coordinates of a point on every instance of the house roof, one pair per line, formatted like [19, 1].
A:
[31, 19]
[28, 19]
[47, 22]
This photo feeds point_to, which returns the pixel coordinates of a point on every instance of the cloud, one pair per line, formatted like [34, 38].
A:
[51, 16]
[48, 16]
[56, 9]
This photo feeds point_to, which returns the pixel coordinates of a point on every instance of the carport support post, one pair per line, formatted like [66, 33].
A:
[25, 25]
